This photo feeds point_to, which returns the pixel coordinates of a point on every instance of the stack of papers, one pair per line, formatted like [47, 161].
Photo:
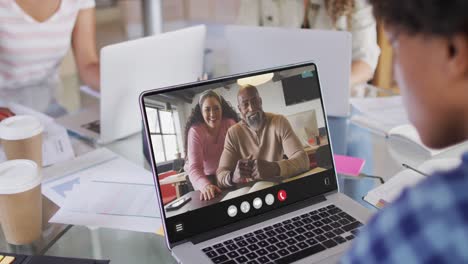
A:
[391, 190]
[56, 146]
[102, 189]
[387, 116]
[380, 114]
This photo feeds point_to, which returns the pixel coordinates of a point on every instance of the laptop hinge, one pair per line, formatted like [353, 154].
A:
[256, 219]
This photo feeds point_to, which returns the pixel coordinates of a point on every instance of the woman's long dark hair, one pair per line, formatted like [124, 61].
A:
[196, 116]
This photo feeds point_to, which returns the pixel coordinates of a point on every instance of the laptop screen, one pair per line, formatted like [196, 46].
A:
[232, 148]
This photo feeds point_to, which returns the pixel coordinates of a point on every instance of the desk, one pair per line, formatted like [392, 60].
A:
[133, 247]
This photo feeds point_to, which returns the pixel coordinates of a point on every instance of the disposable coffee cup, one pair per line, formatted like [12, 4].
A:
[20, 201]
[21, 138]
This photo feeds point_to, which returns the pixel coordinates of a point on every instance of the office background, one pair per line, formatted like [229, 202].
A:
[121, 20]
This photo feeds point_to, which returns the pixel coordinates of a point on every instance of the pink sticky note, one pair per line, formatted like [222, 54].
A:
[348, 165]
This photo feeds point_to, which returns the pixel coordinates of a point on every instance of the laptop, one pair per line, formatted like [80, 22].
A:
[302, 218]
[251, 48]
[131, 67]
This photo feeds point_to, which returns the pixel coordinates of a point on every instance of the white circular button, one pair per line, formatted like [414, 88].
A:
[269, 199]
[245, 207]
[232, 211]
[257, 203]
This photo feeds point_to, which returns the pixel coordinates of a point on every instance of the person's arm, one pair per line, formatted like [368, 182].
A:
[195, 158]
[411, 227]
[84, 48]
[297, 161]
[361, 72]
[228, 161]
[365, 51]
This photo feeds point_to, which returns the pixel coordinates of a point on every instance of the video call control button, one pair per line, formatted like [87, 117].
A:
[269, 199]
[179, 227]
[245, 207]
[232, 211]
[257, 203]
[282, 195]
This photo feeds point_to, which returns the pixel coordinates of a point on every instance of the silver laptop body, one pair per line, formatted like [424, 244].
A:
[206, 232]
[131, 67]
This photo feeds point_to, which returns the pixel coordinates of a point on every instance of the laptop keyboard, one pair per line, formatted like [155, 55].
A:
[289, 240]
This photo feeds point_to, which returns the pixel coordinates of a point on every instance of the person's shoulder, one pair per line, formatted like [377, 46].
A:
[6, 6]
[229, 121]
[275, 117]
[79, 4]
[277, 120]
[87, 3]
[441, 192]
[196, 130]
[236, 127]
[361, 4]
[426, 212]
[75, 5]
[438, 199]
[452, 180]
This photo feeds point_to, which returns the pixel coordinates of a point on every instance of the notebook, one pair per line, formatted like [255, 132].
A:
[347, 165]
[391, 190]
[387, 116]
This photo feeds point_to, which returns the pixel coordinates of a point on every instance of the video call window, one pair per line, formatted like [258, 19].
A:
[239, 137]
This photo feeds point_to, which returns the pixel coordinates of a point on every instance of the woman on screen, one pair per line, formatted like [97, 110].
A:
[205, 131]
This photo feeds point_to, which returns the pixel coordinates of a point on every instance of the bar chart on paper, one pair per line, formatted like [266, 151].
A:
[114, 198]
[104, 190]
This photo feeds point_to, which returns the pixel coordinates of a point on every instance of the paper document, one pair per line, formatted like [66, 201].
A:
[138, 224]
[387, 116]
[407, 135]
[56, 146]
[380, 114]
[391, 190]
[113, 198]
[100, 163]
[112, 205]
[103, 189]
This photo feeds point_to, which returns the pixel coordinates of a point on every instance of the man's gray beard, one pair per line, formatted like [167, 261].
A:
[255, 122]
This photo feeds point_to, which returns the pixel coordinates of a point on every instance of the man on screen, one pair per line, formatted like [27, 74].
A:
[254, 147]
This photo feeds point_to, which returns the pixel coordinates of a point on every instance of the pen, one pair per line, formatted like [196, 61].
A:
[413, 169]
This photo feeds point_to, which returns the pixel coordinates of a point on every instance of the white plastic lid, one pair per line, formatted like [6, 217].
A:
[18, 176]
[20, 127]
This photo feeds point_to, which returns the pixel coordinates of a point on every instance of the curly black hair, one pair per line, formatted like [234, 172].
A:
[443, 18]
[196, 117]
